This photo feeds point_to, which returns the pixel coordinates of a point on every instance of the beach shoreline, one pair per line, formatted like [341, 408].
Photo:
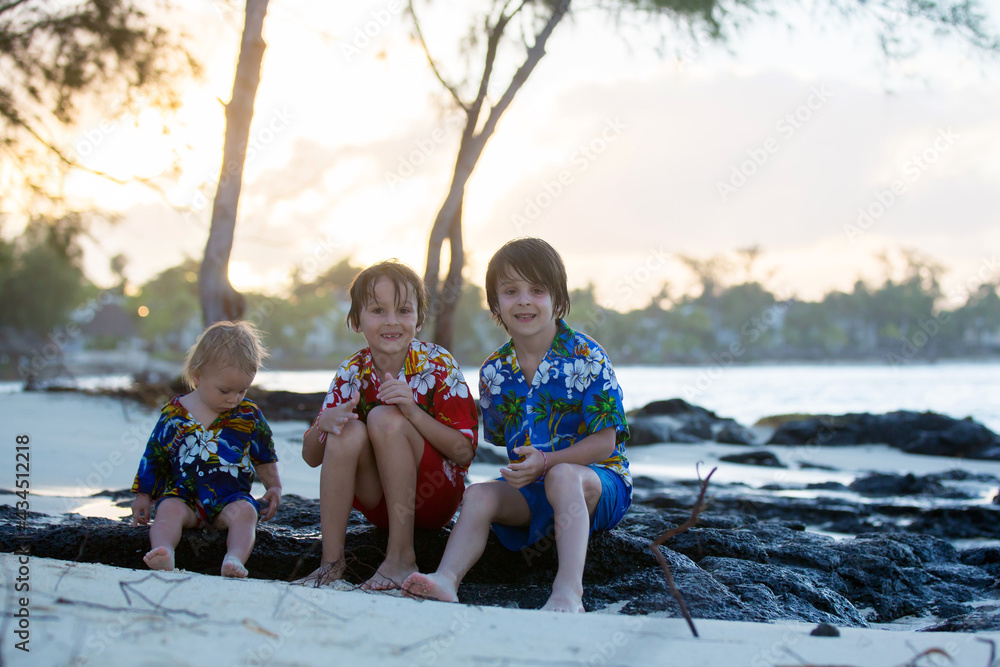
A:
[88, 614]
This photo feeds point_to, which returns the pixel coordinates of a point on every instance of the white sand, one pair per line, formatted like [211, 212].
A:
[85, 614]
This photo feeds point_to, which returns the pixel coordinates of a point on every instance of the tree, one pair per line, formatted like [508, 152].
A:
[532, 23]
[41, 280]
[219, 301]
[63, 58]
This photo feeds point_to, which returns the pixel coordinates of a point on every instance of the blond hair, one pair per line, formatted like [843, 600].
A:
[238, 344]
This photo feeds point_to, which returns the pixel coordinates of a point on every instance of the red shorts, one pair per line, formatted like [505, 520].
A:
[438, 495]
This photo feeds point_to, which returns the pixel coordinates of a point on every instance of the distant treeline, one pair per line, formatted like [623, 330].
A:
[47, 301]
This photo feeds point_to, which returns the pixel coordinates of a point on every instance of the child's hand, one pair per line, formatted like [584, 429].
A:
[272, 500]
[396, 391]
[527, 471]
[140, 509]
[333, 419]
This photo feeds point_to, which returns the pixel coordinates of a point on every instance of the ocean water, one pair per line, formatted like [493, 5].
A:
[748, 393]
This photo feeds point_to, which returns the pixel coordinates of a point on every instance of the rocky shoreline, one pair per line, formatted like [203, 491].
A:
[756, 554]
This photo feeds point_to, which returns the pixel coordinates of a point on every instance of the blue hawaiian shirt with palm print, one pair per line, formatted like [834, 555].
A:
[207, 463]
[574, 393]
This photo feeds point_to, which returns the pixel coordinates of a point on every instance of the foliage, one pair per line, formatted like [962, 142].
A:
[41, 279]
[171, 305]
[61, 59]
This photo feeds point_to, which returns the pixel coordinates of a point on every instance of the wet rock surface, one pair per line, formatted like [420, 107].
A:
[676, 420]
[734, 565]
[914, 432]
[846, 553]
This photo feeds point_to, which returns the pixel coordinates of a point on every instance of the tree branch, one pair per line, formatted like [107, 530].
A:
[654, 546]
[535, 54]
[451, 89]
[73, 164]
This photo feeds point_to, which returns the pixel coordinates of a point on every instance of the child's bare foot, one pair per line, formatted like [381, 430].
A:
[389, 576]
[564, 600]
[326, 573]
[160, 558]
[232, 567]
[430, 587]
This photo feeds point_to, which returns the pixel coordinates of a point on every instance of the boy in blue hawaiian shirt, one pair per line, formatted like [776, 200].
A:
[550, 396]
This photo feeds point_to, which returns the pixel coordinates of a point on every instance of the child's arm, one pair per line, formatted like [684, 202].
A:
[331, 420]
[592, 449]
[268, 473]
[452, 443]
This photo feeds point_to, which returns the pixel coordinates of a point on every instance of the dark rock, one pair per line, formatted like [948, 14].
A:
[959, 522]
[827, 486]
[758, 458]
[797, 594]
[674, 407]
[825, 630]
[648, 432]
[678, 421]
[981, 620]
[699, 543]
[816, 466]
[880, 484]
[987, 558]
[490, 455]
[735, 434]
[959, 475]
[919, 433]
[732, 565]
[287, 405]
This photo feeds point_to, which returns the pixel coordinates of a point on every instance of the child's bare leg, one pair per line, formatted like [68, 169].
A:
[398, 448]
[172, 517]
[240, 519]
[348, 469]
[573, 490]
[482, 504]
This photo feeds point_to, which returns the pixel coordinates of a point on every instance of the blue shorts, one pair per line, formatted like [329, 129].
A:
[208, 512]
[616, 498]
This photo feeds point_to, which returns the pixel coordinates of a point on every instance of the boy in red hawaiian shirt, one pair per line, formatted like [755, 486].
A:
[397, 431]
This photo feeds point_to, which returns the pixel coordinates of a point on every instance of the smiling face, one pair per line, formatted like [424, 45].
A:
[525, 308]
[221, 388]
[388, 320]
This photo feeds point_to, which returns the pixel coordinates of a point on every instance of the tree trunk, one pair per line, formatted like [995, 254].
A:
[448, 223]
[452, 290]
[219, 301]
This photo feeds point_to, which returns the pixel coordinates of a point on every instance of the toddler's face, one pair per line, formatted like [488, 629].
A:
[387, 325]
[222, 388]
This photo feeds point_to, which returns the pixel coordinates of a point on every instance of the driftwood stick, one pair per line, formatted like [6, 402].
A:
[654, 546]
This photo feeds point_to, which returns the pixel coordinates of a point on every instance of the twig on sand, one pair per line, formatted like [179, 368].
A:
[993, 651]
[654, 546]
[915, 661]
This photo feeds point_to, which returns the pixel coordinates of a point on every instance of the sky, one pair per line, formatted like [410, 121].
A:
[632, 144]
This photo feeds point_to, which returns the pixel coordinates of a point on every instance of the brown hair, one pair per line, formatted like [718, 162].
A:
[237, 344]
[534, 260]
[403, 278]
